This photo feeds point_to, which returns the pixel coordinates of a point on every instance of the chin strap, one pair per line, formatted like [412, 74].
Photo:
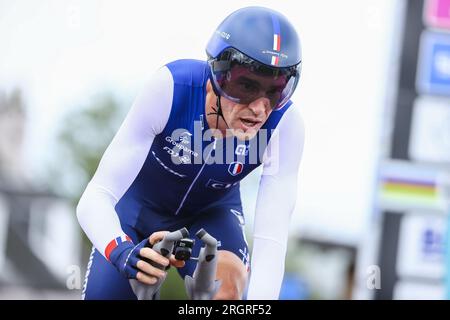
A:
[218, 111]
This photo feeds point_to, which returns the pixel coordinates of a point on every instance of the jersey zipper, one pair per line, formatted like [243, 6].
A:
[195, 179]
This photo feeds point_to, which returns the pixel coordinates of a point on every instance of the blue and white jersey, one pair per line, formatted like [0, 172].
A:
[187, 170]
[163, 161]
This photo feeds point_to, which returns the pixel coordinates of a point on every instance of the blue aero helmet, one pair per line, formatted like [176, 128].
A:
[255, 52]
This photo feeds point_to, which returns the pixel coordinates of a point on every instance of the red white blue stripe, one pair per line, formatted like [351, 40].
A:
[275, 60]
[235, 168]
[276, 40]
[114, 243]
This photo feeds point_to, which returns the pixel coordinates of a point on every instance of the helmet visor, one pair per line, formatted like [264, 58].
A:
[244, 80]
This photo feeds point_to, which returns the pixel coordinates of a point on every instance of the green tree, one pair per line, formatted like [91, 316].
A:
[81, 141]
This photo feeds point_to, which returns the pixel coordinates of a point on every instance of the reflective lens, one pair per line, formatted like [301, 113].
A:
[243, 80]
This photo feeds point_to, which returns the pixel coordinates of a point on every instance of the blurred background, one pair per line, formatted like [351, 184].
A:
[371, 215]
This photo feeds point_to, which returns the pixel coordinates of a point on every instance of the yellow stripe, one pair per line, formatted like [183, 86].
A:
[408, 189]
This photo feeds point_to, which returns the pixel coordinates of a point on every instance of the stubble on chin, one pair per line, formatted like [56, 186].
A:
[243, 135]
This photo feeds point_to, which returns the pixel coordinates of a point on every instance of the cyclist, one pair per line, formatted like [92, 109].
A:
[177, 159]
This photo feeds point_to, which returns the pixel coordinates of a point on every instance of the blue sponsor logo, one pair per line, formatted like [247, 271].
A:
[433, 73]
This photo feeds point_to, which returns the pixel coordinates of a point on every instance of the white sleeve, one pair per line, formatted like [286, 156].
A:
[275, 203]
[123, 159]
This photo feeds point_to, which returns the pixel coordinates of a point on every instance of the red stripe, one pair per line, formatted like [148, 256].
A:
[278, 44]
[113, 244]
[276, 61]
[110, 247]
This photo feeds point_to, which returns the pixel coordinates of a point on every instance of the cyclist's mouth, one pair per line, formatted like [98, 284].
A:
[249, 123]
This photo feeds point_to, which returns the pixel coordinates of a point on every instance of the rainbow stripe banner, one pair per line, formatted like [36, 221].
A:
[412, 188]
[407, 185]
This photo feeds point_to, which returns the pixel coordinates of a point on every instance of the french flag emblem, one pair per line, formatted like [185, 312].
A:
[274, 61]
[235, 168]
[114, 243]
[276, 42]
[276, 47]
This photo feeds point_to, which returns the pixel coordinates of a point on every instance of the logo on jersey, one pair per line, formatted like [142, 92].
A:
[166, 167]
[181, 142]
[239, 216]
[235, 168]
[241, 150]
[245, 258]
[219, 185]
[185, 137]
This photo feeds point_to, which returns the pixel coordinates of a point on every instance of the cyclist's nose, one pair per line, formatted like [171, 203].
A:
[259, 106]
